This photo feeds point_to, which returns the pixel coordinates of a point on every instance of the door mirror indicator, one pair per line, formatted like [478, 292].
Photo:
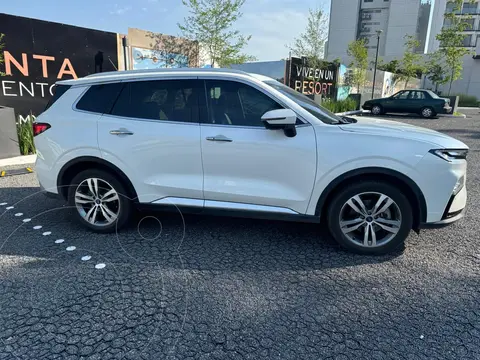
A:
[284, 119]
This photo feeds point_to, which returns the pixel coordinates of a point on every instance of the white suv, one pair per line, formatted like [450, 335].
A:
[229, 142]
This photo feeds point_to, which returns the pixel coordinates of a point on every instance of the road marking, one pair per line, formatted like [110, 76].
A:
[27, 220]
[100, 266]
[86, 258]
[59, 241]
[3, 204]
[70, 248]
[37, 227]
[18, 214]
[46, 233]
[9, 208]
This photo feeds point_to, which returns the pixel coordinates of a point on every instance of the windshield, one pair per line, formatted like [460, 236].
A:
[308, 104]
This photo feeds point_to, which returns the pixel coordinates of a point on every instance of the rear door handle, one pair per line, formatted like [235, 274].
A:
[121, 132]
[219, 138]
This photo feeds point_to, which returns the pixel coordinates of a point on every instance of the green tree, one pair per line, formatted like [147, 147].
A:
[357, 50]
[435, 69]
[411, 65]
[452, 48]
[311, 43]
[210, 23]
[392, 66]
[2, 45]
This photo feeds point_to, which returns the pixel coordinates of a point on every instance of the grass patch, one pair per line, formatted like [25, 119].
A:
[25, 136]
[339, 106]
[467, 100]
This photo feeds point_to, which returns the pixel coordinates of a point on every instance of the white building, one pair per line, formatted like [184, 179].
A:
[354, 19]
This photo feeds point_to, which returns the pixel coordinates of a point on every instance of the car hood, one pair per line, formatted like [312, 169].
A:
[374, 126]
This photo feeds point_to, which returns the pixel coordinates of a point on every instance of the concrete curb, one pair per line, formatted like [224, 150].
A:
[463, 116]
[355, 112]
[19, 160]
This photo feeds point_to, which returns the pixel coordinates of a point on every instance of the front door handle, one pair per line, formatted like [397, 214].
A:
[219, 138]
[121, 132]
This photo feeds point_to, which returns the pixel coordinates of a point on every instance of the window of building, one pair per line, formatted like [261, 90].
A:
[470, 8]
[100, 98]
[467, 41]
[169, 100]
[367, 1]
[233, 103]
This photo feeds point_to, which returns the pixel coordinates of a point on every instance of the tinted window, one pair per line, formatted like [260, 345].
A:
[418, 95]
[170, 100]
[402, 95]
[58, 91]
[100, 98]
[233, 103]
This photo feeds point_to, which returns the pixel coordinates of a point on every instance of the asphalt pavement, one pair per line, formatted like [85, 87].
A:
[174, 286]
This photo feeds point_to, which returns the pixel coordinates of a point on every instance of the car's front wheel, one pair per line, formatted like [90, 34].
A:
[377, 110]
[370, 218]
[100, 201]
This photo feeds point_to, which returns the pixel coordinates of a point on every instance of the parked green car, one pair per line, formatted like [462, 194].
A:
[423, 102]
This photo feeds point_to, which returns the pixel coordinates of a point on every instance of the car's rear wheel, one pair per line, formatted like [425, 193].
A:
[377, 109]
[427, 112]
[100, 201]
[370, 218]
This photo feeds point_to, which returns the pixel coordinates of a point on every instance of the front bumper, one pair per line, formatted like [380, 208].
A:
[454, 211]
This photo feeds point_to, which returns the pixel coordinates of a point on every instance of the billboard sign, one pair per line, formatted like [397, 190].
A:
[38, 53]
[312, 80]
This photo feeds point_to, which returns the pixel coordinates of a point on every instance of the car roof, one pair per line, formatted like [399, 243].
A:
[114, 76]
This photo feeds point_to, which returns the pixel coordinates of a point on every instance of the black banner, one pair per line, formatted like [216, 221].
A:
[311, 81]
[38, 53]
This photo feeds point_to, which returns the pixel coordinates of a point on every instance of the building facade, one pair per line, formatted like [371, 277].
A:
[424, 19]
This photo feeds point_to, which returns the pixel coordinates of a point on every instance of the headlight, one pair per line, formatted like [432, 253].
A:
[450, 154]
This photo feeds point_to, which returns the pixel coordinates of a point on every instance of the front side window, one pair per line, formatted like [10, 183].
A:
[167, 100]
[100, 98]
[402, 95]
[238, 104]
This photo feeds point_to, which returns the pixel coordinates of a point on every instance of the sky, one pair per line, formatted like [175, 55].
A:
[273, 24]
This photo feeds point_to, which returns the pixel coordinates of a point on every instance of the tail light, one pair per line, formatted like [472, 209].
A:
[39, 128]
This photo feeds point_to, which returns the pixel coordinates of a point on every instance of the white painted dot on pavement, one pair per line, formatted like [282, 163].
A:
[37, 227]
[86, 258]
[421, 337]
[18, 214]
[100, 266]
[3, 204]
[46, 233]
[27, 220]
[71, 248]
[59, 241]
[9, 208]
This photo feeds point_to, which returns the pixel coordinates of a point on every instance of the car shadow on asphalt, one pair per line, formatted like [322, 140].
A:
[204, 242]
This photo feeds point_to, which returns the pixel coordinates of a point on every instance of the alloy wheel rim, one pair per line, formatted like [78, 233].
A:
[370, 219]
[427, 112]
[97, 202]
[376, 110]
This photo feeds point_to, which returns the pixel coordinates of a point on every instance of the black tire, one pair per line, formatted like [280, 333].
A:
[340, 198]
[425, 115]
[380, 107]
[125, 203]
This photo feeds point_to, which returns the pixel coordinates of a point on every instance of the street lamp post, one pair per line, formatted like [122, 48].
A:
[379, 32]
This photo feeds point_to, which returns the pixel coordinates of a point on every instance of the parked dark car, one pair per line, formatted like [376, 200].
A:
[423, 102]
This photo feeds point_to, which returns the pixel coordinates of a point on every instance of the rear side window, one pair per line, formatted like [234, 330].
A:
[100, 98]
[58, 91]
[168, 100]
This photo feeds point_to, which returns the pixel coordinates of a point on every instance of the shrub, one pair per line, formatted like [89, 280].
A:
[467, 100]
[25, 136]
[339, 106]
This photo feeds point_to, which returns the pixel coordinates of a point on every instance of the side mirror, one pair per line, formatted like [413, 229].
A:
[281, 119]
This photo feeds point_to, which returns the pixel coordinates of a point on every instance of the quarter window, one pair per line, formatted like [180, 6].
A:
[233, 103]
[100, 98]
[168, 100]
